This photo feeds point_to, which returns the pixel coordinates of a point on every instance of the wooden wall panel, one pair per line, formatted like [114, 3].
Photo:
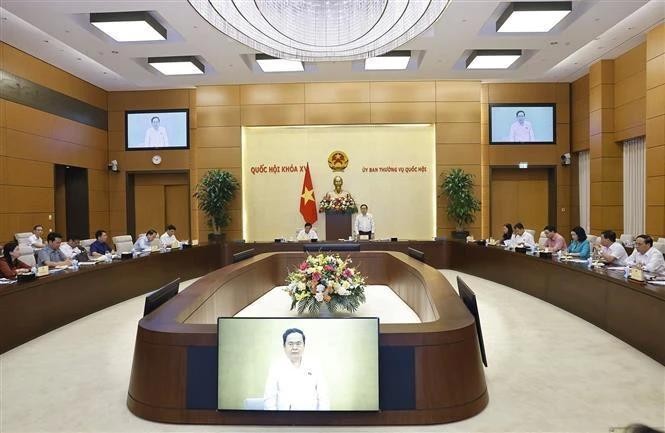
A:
[458, 91]
[337, 114]
[217, 96]
[403, 112]
[333, 93]
[223, 136]
[148, 100]
[404, 91]
[262, 94]
[272, 115]
[457, 112]
[218, 116]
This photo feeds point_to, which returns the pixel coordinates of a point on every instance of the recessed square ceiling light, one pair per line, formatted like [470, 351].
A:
[492, 59]
[272, 64]
[532, 17]
[393, 60]
[181, 65]
[129, 26]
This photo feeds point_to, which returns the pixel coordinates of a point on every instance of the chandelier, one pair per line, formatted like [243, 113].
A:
[321, 30]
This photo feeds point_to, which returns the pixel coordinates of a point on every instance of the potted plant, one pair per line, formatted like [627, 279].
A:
[214, 193]
[462, 205]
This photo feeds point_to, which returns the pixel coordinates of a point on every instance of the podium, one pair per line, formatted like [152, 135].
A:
[338, 226]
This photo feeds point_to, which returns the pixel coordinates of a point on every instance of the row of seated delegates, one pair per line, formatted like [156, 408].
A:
[51, 255]
[35, 239]
[10, 265]
[518, 236]
[307, 233]
[646, 257]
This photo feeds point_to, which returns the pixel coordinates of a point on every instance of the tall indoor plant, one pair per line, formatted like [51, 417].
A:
[214, 193]
[457, 186]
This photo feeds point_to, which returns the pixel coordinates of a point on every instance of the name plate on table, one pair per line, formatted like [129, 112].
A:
[636, 274]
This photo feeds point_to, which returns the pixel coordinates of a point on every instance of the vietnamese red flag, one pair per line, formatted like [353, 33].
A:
[307, 200]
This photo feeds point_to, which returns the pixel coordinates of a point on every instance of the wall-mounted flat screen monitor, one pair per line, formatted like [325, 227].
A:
[522, 123]
[157, 129]
[298, 364]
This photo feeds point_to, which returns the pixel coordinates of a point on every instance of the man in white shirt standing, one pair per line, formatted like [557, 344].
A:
[168, 238]
[156, 135]
[521, 237]
[35, 239]
[293, 382]
[612, 251]
[646, 257]
[307, 233]
[364, 224]
[521, 131]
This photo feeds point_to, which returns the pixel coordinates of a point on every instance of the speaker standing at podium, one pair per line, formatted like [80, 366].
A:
[364, 224]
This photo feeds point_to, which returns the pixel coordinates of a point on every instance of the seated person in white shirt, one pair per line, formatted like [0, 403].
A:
[295, 382]
[72, 247]
[307, 233]
[611, 251]
[168, 238]
[646, 257]
[35, 239]
[521, 237]
[143, 243]
[364, 224]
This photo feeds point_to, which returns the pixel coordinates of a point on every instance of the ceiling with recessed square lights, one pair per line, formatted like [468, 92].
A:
[62, 33]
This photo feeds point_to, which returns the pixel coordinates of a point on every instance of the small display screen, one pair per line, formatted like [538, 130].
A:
[513, 123]
[167, 129]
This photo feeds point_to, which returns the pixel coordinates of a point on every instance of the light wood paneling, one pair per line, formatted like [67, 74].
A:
[267, 115]
[457, 112]
[628, 116]
[522, 92]
[630, 63]
[228, 136]
[656, 72]
[25, 172]
[630, 89]
[601, 96]
[337, 114]
[458, 133]
[404, 91]
[262, 94]
[151, 179]
[26, 66]
[656, 41]
[403, 112]
[148, 100]
[655, 191]
[655, 105]
[222, 157]
[458, 91]
[329, 93]
[218, 116]
[656, 131]
[217, 95]
[177, 209]
[655, 158]
[457, 154]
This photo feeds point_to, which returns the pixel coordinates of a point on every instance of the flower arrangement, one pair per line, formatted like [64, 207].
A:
[325, 280]
[339, 205]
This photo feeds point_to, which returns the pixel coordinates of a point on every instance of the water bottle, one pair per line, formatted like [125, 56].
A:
[34, 270]
[626, 271]
[75, 264]
[589, 262]
[109, 257]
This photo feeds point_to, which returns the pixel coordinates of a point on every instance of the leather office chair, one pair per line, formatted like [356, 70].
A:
[27, 255]
[661, 240]
[85, 243]
[533, 232]
[22, 238]
[592, 239]
[660, 246]
[542, 241]
[123, 244]
[626, 239]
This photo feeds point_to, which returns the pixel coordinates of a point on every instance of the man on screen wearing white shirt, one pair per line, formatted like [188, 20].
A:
[364, 224]
[646, 257]
[521, 237]
[521, 130]
[612, 251]
[295, 383]
[168, 238]
[307, 233]
[155, 136]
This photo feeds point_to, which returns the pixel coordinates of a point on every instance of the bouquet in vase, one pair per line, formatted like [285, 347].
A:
[325, 281]
[339, 205]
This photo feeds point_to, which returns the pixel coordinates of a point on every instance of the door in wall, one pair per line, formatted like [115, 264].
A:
[161, 199]
[519, 195]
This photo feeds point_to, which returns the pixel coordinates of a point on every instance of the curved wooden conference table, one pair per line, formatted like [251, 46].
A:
[630, 311]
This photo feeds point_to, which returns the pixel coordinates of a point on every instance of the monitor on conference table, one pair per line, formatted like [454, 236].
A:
[298, 364]
[522, 123]
[157, 129]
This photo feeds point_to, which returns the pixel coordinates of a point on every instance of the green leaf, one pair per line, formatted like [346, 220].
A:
[214, 193]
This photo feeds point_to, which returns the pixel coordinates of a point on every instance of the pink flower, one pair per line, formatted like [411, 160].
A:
[348, 272]
[316, 276]
[328, 268]
[303, 266]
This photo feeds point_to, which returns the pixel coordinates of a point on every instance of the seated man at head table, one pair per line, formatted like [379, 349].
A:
[143, 243]
[100, 247]
[35, 239]
[168, 238]
[72, 247]
[308, 233]
[646, 257]
[10, 265]
[295, 382]
[611, 251]
[51, 255]
[521, 237]
[555, 242]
